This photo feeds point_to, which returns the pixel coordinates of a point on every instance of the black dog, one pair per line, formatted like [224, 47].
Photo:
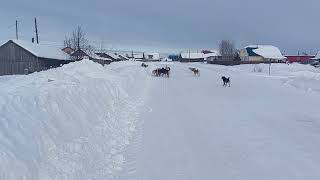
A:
[226, 81]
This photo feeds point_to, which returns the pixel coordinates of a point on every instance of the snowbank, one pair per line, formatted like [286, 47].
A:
[71, 122]
[303, 77]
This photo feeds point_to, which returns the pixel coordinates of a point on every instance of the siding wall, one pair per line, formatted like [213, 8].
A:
[244, 56]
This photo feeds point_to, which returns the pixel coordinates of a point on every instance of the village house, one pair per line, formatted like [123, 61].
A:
[139, 57]
[192, 57]
[22, 57]
[212, 55]
[261, 53]
[152, 57]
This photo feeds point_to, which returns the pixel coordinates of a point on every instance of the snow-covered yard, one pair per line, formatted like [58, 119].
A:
[85, 121]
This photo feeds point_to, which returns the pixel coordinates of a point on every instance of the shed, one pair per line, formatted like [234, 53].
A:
[21, 57]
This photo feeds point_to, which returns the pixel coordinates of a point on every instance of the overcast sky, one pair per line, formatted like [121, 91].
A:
[168, 24]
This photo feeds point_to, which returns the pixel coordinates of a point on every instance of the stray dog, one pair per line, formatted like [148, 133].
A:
[144, 65]
[195, 71]
[226, 81]
[163, 72]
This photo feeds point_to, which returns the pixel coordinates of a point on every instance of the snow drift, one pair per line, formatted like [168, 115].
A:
[71, 122]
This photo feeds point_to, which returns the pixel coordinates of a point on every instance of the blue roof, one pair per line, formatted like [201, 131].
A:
[251, 52]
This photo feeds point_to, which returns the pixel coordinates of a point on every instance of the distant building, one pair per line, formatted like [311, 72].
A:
[122, 58]
[139, 57]
[79, 55]
[298, 58]
[192, 57]
[21, 57]
[212, 55]
[68, 50]
[174, 57]
[111, 56]
[261, 53]
[152, 57]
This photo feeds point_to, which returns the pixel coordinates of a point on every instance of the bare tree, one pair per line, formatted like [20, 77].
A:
[78, 40]
[227, 50]
[67, 42]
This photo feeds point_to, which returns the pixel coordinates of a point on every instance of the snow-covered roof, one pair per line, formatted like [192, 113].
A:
[95, 56]
[113, 55]
[123, 56]
[214, 53]
[43, 51]
[138, 56]
[193, 55]
[267, 51]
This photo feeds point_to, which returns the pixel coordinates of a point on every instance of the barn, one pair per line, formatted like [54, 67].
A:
[21, 57]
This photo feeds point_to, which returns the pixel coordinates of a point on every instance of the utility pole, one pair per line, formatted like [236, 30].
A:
[78, 40]
[132, 55]
[17, 37]
[269, 67]
[36, 27]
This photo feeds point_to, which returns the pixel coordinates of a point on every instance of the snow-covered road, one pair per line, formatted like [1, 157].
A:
[84, 121]
[257, 129]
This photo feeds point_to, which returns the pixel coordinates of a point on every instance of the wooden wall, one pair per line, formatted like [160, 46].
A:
[16, 60]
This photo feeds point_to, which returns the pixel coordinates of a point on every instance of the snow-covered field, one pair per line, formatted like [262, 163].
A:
[85, 121]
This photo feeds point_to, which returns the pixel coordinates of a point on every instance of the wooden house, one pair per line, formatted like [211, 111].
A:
[261, 53]
[21, 57]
